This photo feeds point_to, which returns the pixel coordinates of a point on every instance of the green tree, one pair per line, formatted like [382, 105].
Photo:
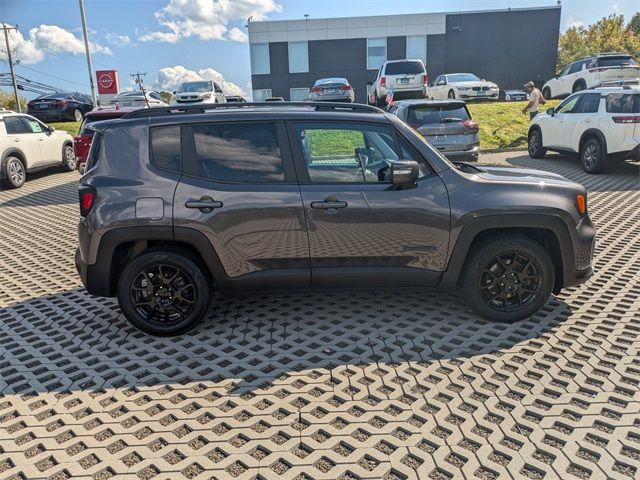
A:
[634, 24]
[8, 101]
[608, 34]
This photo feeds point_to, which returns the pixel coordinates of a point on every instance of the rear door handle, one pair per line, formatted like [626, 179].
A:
[205, 204]
[329, 205]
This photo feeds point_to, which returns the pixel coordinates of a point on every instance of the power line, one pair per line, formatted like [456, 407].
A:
[53, 76]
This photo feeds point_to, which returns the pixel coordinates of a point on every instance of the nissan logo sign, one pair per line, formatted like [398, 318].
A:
[105, 80]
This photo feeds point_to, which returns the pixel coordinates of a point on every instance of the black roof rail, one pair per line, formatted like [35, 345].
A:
[317, 106]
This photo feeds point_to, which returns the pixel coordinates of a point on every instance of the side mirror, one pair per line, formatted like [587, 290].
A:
[404, 173]
[369, 83]
[51, 129]
[550, 111]
[174, 92]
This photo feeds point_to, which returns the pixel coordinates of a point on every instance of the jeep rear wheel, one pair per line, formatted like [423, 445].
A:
[536, 150]
[163, 293]
[508, 279]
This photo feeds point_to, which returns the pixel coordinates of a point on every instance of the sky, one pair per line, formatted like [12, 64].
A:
[177, 40]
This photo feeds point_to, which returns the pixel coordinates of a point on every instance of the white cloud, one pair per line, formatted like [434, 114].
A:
[117, 40]
[208, 19]
[169, 78]
[237, 35]
[47, 39]
[572, 22]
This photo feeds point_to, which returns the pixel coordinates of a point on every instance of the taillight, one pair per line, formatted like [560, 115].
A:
[345, 87]
[60, 103]
[383, 81]
[315, 89]
[627, 119]
[87, 199]
[581, 204]
[470, 124]
[425, 79]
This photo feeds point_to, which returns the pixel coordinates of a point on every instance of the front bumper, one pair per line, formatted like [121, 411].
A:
[491, 95]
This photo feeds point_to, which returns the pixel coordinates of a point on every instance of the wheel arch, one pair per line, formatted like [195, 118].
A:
[592, 133]
[548, 230]
[579, 81]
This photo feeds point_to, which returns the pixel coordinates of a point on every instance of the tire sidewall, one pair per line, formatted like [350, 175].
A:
[148, 259]
[482, 255]
[75, 115]
[65, 161]
[8, 179]
[539, 151]
[599, 166]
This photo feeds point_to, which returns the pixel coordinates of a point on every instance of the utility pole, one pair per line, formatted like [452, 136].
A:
[86, 47]
[13, 75]
[140, 83]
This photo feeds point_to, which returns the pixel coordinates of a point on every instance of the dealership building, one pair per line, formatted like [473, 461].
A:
[509, 47]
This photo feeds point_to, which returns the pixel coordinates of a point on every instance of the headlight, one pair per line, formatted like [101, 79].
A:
[463, 89]
[494, 87]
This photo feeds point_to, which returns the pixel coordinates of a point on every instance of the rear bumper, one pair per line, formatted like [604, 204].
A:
[53, 116]
[470, 154]
[330, 98]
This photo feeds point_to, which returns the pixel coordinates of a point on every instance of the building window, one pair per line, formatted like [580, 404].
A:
[376, 52]
[298, 57]
[260, 59]
[299, 94]
[417, 47]
[261, 94]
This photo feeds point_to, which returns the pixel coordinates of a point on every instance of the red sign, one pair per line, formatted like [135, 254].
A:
[107, 81]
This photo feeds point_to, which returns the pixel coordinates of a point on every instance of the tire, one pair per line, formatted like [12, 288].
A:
[144, 300]
[493, 280]
[381, 102]
[593, 155]
[546, 93]
[535, 146]
[77, 115]
[578, 86]
[451, 95]
[68, 158]
[15, 173]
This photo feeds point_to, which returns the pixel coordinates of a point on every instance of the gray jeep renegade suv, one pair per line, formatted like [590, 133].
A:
[178, 202]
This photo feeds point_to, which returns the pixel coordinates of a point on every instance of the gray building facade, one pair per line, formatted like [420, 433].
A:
[509, 47]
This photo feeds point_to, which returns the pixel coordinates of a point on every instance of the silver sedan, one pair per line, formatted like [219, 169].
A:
[332, 90]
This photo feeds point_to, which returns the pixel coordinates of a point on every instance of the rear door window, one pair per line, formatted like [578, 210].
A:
[589, 104]
[238, 152]
[427, 114]
[623, 103]
[404, 68]
[166, 152]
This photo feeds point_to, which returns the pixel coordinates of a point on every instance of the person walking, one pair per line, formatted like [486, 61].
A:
[535, 100]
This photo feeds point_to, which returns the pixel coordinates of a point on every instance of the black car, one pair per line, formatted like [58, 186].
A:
[181, 201]
[62, 106]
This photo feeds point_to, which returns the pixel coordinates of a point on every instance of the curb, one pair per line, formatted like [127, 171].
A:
[507, 149]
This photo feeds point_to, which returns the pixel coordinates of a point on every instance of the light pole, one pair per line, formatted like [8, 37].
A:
[10, 60]
[86, 47]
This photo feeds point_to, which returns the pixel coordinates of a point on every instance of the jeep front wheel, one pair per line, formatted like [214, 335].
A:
[508, 279]
[163, 293]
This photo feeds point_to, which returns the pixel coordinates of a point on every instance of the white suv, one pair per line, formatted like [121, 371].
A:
[202, 91]
[590, 72]
[602, 125]
[406, 78]
[28, 145]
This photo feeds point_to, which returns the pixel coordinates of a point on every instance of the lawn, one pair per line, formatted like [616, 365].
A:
[505, 118]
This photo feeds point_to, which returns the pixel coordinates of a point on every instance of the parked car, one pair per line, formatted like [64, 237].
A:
[202, 91]
[514, 95]
[589, 72]
[332, 90]
[56, 107]
[407, 78]
[465, 86]
[27, 145]
[274, 99]
[285, 197]
[82, 141]
[445, 124]
[236, 99]
[602, 125]
[137, 99]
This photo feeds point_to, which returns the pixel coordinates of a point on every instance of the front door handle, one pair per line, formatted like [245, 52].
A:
[329, 205]
[205, 204]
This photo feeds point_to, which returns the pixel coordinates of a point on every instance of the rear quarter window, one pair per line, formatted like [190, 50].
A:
[623, 103]
[166, 151]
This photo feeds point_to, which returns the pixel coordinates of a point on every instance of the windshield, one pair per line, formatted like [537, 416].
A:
[428, 114]
[620, 60]
[410, 67]
[198, 87]
[462, 77]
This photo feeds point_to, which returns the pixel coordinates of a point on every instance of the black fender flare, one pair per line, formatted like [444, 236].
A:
[551, 222]
[593, 132]
[6, 154]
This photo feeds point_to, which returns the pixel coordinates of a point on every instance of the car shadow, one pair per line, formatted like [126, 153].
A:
[59, 194]
[73, 342]
[624, 176]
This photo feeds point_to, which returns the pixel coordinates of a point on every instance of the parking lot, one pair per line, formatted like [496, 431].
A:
[389, 385]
